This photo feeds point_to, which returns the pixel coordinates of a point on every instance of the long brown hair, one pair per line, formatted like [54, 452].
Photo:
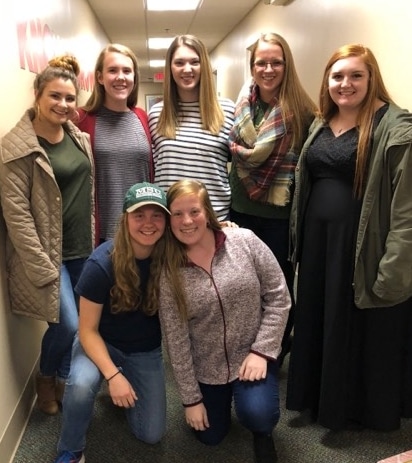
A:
[376, 91]
[211, 113]
[126, 293]
[96, 99]
[293, 98]
[175, 256]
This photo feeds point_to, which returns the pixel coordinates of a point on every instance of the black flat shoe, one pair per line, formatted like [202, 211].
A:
[264, 448]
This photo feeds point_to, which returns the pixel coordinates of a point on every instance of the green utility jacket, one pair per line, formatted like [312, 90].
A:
[383, 258]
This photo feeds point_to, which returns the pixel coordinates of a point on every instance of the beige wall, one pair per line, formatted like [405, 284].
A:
[314, 29]
[148, 89]
[66, 26]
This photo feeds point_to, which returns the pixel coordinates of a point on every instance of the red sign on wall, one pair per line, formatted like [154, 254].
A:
[158, 77]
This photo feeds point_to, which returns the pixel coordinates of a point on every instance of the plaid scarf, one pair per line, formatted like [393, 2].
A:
[262, 157]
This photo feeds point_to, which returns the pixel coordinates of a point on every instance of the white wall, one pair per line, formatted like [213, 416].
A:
[56, 26]
[314, 29]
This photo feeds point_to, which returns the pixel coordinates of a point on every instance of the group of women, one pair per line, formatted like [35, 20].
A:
[157, 198]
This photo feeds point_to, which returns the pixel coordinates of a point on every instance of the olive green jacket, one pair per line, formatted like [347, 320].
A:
[383, 256]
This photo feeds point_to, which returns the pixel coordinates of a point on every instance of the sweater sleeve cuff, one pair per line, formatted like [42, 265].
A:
[192, 405]
[267, 357]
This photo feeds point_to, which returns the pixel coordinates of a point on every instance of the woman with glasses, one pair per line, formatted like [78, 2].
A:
[273, 113]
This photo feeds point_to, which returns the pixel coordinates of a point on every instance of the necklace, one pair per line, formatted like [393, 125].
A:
[342, 129]
[339, 125]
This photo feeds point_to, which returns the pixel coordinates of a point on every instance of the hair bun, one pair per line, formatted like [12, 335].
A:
[67, 62]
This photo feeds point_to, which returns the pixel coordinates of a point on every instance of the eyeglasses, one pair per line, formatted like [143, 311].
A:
[275, 64]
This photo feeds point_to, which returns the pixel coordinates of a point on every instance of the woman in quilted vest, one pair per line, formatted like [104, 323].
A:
[46, 188]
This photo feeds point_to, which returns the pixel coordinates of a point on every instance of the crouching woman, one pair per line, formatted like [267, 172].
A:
[223, 308]
[119, 332]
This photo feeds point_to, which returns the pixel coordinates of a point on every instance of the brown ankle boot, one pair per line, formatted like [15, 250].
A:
[60, 385]
[46, 394]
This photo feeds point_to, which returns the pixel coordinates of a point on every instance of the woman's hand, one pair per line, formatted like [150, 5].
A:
[121, 391]
[196, 417]
[253, 368]
[228, 223]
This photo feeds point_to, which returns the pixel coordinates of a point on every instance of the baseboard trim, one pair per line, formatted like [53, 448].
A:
[13, 434]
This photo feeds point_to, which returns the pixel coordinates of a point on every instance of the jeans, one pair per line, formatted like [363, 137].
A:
[256, 406]
[144, 371]
[58, 338]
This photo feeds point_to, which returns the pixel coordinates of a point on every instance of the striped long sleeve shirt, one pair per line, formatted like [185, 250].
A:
[195, 153]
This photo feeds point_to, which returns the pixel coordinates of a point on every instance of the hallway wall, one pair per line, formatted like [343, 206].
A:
[31, 32]
[314, 29]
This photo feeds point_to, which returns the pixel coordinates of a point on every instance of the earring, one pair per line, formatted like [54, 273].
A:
[37, 111]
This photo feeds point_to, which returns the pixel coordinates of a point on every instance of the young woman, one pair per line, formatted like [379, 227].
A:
[223, 308]
[47, 191]
[190, 127]
[352, 228]
[119, 133]
[273, 114]
[119, 333]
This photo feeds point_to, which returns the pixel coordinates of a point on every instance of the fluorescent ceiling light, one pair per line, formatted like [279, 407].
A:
[157, 63]
[169, 5]
[159, 43]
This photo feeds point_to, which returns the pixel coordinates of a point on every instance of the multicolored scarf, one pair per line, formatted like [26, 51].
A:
[262, 156]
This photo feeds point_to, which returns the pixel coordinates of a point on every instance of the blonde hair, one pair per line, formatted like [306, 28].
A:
[126, 294]
[61, 67]
[175, 257]
[376, 91]
[293, 99]
[97, 97]
[211, 113]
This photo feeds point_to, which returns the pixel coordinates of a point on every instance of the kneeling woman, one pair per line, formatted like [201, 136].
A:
[223, 308]
[119, 332]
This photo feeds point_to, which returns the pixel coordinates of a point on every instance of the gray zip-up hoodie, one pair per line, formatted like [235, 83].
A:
[240, 307]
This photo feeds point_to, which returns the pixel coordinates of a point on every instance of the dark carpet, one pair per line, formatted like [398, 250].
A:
[109, 439]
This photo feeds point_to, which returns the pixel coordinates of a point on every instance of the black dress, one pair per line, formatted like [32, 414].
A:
[347, 365]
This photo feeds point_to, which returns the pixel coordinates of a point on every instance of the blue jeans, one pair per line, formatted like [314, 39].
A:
[58, 339]
[256, 406]
[144, 371]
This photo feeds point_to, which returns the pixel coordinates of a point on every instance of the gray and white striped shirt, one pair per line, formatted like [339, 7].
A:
[195, 153]
[122, 157]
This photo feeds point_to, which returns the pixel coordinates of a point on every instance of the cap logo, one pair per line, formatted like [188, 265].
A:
[142, 194]
[148, 190]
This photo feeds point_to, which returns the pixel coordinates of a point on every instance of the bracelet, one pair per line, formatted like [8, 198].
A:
[111, 377]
